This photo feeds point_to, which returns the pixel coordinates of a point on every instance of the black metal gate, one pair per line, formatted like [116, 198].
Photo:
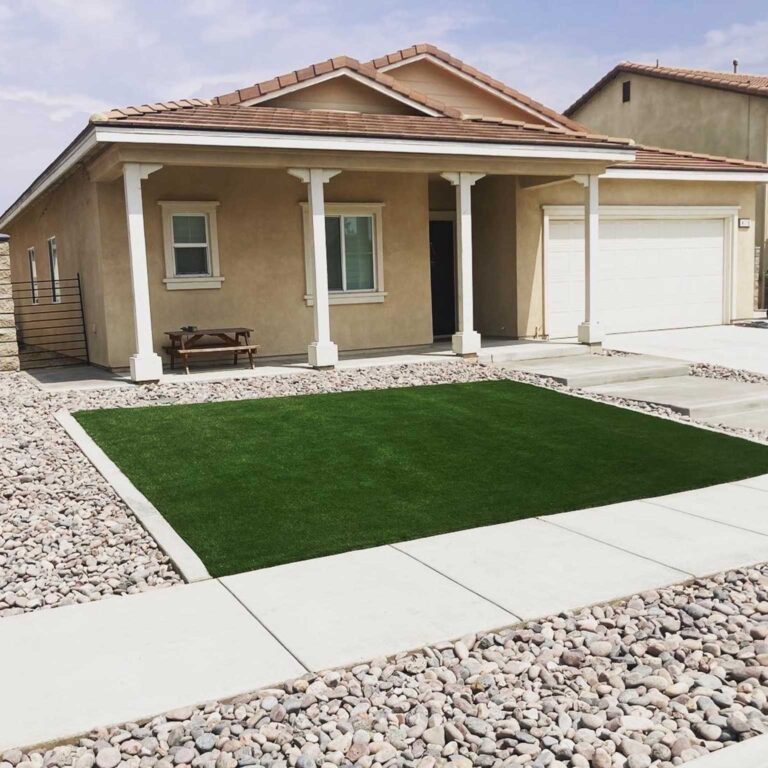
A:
[50, 323]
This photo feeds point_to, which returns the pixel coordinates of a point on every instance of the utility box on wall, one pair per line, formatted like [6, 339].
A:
[9, 352]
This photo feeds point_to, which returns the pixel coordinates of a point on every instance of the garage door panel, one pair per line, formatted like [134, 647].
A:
[655, 273]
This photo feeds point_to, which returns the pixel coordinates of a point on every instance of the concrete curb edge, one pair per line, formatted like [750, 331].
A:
[189, 565]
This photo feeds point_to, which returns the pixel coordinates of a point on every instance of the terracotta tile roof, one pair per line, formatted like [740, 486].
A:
[756, 85]
[427, 48]
[233, 117]
[276, 84]
[656, 158]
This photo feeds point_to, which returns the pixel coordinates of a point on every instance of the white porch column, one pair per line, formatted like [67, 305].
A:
[146, 365]
[591, 331]
[466, 341]
[322, 352]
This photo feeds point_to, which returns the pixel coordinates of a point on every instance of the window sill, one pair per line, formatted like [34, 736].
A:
[351, 297]
[188, 283]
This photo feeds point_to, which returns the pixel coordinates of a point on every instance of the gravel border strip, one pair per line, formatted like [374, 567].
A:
[183, 557]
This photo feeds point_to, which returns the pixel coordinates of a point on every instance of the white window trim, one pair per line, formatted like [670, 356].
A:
[371, 296]
[32, 260]
[53, 265]
[728, 214]
[170, 208]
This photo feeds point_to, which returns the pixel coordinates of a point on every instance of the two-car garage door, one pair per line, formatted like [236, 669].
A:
[654, 273]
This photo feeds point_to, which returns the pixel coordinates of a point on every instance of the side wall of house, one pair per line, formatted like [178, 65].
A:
[261, 248]
[68, 212]
[530, 279]
[9, 353]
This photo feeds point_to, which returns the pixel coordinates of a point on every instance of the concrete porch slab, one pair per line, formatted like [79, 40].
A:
[732, 503]
[593, 370]
[692, 544]
[70, 669]
[529, 349]
[77, 378]
[692, 396]
[337, 610]
[534, 568]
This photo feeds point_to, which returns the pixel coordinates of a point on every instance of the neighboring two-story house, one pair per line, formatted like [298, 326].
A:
[353, 206]
[717, 113]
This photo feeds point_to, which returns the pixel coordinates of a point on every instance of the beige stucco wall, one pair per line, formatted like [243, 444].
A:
[342, 93]
[433, 80]
[530, 286]
[261, 250]
[668, 113]
[68, 212]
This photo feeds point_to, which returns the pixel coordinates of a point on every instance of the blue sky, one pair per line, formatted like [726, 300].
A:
[61, 60]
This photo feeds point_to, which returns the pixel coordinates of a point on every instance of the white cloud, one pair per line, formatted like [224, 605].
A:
[61, 106]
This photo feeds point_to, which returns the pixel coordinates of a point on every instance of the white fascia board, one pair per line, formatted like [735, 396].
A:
[358, 144]
[572, 212]
[423, 108]
[649, 174]
[67, 161]
[473, 81]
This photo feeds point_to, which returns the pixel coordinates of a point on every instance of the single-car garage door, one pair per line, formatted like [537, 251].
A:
[654, 274]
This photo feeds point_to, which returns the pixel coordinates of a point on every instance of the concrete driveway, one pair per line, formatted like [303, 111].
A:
[731, 346]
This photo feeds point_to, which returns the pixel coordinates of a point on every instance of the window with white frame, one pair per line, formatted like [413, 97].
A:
[53, 263]
[32, 259]
[354, 252]
[191, 245]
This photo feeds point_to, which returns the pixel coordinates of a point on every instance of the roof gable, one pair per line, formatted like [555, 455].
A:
[532, 111]
[342, 66]
[755, 85]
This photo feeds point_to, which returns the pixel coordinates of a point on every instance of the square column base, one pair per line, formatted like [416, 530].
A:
[591, 333]
[146, 368]
[466, 343]
[323, 354]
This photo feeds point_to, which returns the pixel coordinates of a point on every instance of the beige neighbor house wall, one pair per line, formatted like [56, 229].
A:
[9, 353]
[530, 280]
[427, 77]
[68, 212]
[261, 248]
[668, 113]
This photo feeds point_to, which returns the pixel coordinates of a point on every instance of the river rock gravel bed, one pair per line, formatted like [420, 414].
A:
[65, 537]
[656, 680]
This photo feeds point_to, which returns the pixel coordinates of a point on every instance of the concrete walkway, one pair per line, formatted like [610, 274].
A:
[731, 346]
[69, 669]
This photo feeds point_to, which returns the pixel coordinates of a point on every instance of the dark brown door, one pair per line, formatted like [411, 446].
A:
[441, 260]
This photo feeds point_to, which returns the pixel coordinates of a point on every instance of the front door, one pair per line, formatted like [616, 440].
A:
[442, 269]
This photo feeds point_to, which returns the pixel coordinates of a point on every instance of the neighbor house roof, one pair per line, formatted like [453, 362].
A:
[297, 121]
[656, 158]
[273, 86]
[429, 50]
[756, 85]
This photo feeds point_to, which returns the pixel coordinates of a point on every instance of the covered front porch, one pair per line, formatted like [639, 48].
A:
[279, 250]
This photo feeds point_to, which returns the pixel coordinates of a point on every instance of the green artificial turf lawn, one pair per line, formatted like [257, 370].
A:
[255, 483]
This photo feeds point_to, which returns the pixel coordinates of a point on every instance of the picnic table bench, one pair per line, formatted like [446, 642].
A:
[193, 342]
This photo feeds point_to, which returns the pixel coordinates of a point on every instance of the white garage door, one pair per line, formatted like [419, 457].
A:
[654, 274]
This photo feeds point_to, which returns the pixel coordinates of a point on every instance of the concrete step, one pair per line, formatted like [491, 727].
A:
[692, 396]
[530, 350]
[593, 370]
[756, 418]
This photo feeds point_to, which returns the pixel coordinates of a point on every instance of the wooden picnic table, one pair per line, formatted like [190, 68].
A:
[187, 343]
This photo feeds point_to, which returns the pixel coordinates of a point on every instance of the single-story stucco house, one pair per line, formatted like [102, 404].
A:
[380, 205]
[718, 113]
